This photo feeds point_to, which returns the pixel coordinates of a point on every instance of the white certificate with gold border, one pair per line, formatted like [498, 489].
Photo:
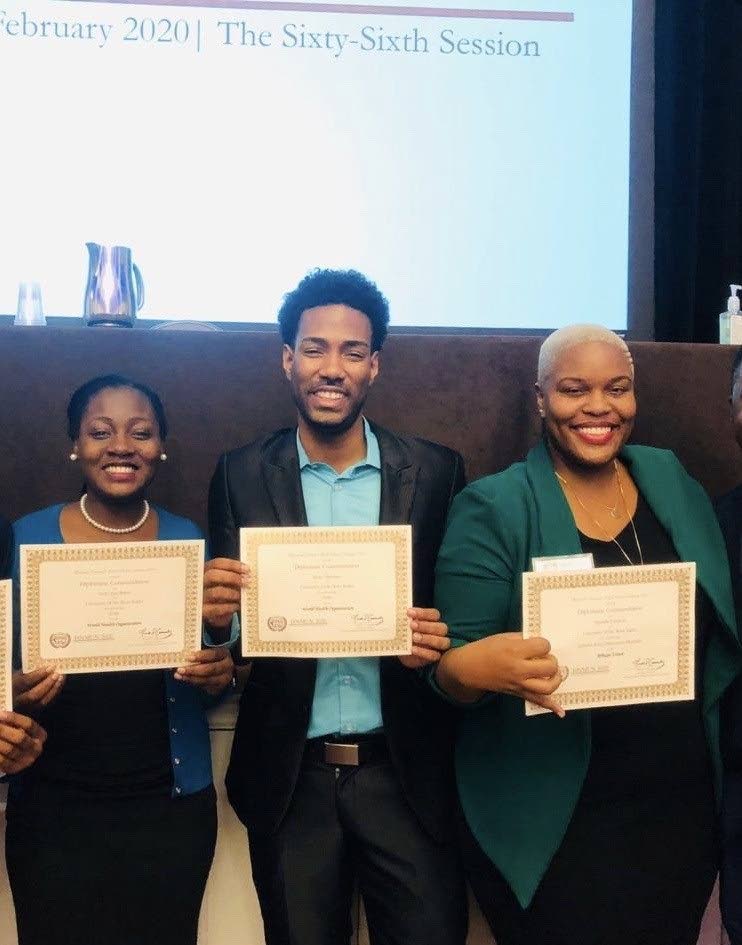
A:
[93, 608]
[6, 646]
[622, 635]
[321, 592]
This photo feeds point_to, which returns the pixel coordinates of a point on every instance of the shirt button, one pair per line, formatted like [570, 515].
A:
[172, 698]
[174, 731]
[176, 761]
[178, 790]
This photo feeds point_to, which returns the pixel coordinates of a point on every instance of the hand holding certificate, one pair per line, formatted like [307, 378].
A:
[21, 738]
[313, 592]
[112, 605]
[621, 635]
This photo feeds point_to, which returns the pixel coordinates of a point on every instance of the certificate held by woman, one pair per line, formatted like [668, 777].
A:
[622, 636]
[105, 606]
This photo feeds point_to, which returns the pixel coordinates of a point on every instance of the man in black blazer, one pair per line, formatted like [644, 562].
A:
[341, 769]
[729, 512]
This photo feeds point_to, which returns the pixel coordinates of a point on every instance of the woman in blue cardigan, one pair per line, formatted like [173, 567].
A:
[111, 833]
[598, 827]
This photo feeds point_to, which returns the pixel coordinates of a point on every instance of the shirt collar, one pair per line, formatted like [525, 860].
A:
[373, 454]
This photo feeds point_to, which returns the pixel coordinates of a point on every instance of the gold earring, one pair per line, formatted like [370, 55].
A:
[163, 457]
[73, 456]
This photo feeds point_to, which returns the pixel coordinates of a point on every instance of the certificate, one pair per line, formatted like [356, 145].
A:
[6, 646]
[622, 636]
[319, 592]
[93, 608]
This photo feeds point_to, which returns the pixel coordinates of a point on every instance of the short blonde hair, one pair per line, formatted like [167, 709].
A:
[570, 336]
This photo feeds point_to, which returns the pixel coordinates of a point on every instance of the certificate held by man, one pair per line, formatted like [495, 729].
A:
[327, 592]
[111, 606]
[622, 636]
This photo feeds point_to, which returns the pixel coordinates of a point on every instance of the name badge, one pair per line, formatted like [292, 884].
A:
[563, 563]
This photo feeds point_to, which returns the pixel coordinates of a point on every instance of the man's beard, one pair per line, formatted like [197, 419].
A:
[330, 428]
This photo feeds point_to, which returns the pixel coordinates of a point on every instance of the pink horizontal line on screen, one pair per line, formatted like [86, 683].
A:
[369, 9]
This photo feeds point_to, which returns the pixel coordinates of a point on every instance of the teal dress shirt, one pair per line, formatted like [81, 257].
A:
[347, 693]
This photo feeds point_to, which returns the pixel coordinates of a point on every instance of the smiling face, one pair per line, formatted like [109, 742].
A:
[331, 367]
[119, 444]
[588, 404]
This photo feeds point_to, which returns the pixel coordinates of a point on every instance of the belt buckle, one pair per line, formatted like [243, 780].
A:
[337, 753]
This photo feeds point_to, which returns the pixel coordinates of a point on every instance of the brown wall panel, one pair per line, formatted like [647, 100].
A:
[221, 389]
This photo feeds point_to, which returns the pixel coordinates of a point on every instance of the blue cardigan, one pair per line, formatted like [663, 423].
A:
[190, 749]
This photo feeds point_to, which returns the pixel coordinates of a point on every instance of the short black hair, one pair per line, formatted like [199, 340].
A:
[736, 365]
[84, 394]
[335, 287]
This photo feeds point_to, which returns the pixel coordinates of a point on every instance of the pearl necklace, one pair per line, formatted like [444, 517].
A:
[107, 528]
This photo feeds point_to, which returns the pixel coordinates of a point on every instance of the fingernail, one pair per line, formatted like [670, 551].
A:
[417, 637]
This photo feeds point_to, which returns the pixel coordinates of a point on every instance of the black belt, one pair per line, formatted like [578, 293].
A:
[347, 749]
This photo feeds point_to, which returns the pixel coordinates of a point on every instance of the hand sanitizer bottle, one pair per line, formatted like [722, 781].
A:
[730, 322]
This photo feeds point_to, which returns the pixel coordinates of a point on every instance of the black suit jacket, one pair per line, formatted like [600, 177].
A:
[260, 484]
[729, 512]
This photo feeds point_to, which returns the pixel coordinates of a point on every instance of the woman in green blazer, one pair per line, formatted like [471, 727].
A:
[590, 828]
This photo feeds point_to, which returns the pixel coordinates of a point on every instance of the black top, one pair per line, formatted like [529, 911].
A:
[660, 742]
[108, 737]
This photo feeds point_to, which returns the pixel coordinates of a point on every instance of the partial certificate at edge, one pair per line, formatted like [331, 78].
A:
[622, 635]
[109, 606]
[327, 592]
[6, 646]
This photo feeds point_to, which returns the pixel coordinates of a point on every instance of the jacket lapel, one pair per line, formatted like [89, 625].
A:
[558, 532]
[398, 477]
[688, 520]
[280, 467]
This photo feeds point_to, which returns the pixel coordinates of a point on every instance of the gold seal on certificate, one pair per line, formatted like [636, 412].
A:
[91, 608]
[6, 646]
[319, 592]
[622, 636]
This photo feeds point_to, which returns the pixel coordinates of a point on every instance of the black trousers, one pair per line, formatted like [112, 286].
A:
[347, 826]
[110, 872]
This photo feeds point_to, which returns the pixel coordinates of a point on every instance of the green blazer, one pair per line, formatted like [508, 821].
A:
[520, 778]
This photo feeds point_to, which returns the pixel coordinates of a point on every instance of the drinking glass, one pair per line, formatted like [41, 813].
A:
[29, 311]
